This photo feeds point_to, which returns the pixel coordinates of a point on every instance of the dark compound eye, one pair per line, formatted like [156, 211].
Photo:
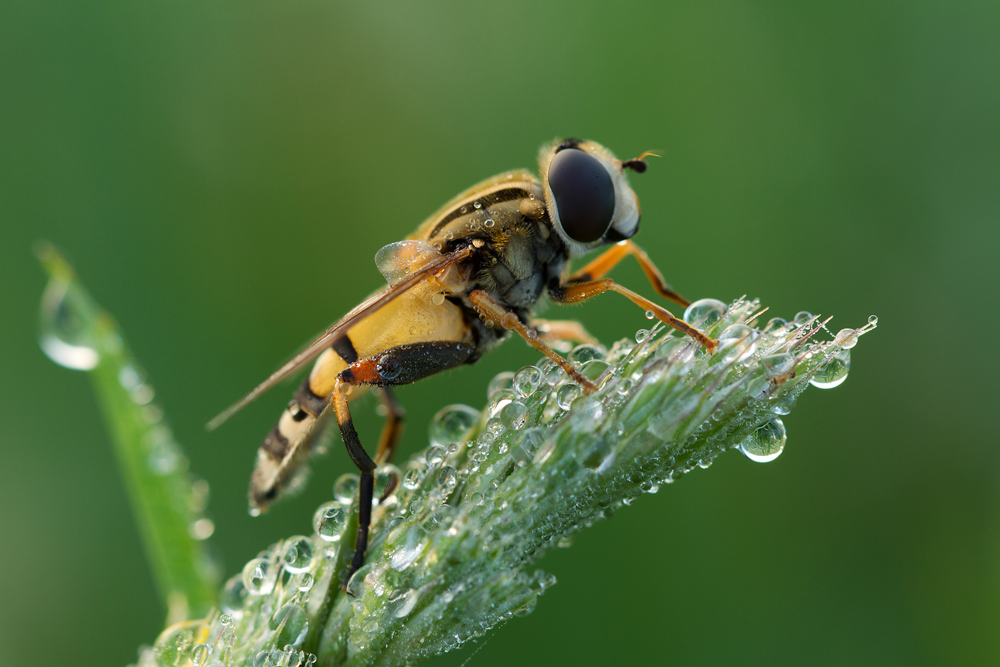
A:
[584, 194]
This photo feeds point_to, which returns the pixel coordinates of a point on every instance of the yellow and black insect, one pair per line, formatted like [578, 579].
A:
[468, 276]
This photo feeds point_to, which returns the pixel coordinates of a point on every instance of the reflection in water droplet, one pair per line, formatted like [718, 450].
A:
[451, 424]
[259, 576]
[345, 488]
[775, 324]
[527, 380]
[566, 394]
[200, 654]
[832, 373]
[411, 480]
[584, 353]
[766, 442]
[739, 342]
[289, 624]
[329, 521]
[65, 338]
[704, 313]
[846, 338]
[500, 381]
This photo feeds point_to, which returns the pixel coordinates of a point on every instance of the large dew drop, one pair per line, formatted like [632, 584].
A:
[398, 260]
[297, 554]
[833, 372]
[259, 576]
[451, 424]
[704, 313]
[766, 442]
[65, 338]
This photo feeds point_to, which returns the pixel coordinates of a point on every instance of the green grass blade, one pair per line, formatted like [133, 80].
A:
[167, 504]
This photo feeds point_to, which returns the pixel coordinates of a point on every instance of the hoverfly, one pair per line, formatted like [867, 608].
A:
[468, 276]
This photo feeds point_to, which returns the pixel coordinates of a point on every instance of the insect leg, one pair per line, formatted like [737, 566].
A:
[395, 416]
[366, 485]
[583, 291]
[397, 365]
[562, 330]
[616, 253]
[493, 310]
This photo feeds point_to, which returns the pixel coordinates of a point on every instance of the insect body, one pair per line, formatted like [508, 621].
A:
[468, 276]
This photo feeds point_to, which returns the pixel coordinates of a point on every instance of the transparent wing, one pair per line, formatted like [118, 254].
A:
[339, 330]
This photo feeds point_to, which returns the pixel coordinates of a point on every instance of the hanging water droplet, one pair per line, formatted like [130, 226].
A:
[329, 521]
[873, 321]
[297, 554]
[64, 336]
[650, 315]
[704, 313]
[641, 336]
[345, 488]
[833, 372]
[451, 424]
[846, 338]
[766, 442]
[259, 576]
[527, 380]
[739, 342]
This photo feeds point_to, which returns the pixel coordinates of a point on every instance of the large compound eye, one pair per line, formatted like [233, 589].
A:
[584, 194]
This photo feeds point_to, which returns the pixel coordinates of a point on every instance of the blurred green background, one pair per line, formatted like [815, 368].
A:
[222, 173]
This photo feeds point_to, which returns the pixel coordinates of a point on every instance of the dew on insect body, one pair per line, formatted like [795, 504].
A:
[297, 554]
[397, 260]
[738, 342]
[65, 338]
[527, 380]
[345, 488]
[766, 442]
[833, 372]
[704, 313]
[259, 576]
[329, 521]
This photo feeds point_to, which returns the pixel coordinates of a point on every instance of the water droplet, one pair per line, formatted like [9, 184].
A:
[489, 223]
[385, 476]
[329, 521]
[587, 415]
[389, 366]
[500, 381]
[873, 321]
[739, 342]
[437, 299]
[447, 479]
[846, 338]
[297, 554]
[233, 595]
[259, 576]
[599, 457]
[451, 424]
[201, 529]
[200, 654]
[833, 372]
[397, 260]
[434, 456]
[641, 336]
[290, 625]
[527, 380]
[403, 603]
[345, 488]
[356, 584]
[803, 317]
[594, 369]
[775, 325]
[477, 205]
[566, 394]
[411, 480]
[65, 338]
[766, 442]
[304, 581]
[650, 315]
[704, 313]
[512, 415]
[584, 353]
[778, 364]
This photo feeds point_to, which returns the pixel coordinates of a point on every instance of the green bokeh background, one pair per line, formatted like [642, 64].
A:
[222, 173]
